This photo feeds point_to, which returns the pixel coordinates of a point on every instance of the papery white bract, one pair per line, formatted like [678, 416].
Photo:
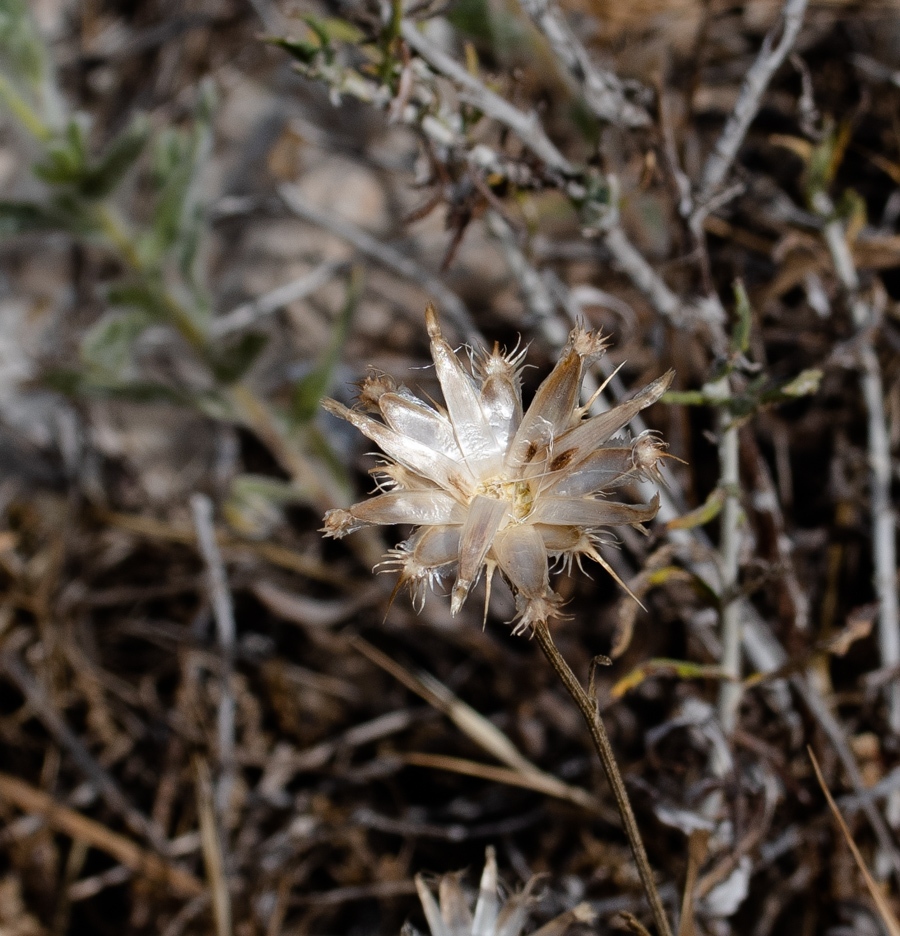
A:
[492, 487]
[450, 915]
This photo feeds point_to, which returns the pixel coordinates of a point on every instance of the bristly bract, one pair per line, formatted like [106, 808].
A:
[490, 486]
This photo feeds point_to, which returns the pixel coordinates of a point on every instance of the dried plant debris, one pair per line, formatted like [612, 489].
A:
[198, 244]
[450, 914]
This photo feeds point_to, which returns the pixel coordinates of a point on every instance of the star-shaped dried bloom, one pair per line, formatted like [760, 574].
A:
[489, 486]
[450, 915]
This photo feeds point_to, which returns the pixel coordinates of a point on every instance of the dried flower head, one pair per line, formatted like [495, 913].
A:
[450, 914]
[492, 487]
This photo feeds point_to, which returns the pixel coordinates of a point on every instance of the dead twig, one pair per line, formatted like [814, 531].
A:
[211, 833]
[888, 918]
[591, 715]
[730, 689]
[452, 306]
[884, 545]
[223, 613]
[280, 556]
[757, 79]
[485, 734]
[65, 820]
[104, 783]
[250, 313]
[527, 127]
[603, 91]
[537, 781]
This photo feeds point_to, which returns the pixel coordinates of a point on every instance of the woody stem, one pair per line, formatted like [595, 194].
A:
[591, 715]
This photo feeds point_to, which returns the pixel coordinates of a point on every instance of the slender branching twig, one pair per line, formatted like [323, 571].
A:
[884, 547]
[223, 613]
[591, 715]
[102, 781]
[248, 314]
[729, 559]
[884, 526]
[213, 853]
[706, 312]
[452, 307]
[769, 60]
[601, 213]
[762, 493]
[527, 127]
[603, 90]
[535, 295]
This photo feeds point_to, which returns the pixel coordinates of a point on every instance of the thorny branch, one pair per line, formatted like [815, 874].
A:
[766, 654]
[706, 312]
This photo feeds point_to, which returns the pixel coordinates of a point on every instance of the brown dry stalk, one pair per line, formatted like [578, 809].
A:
[888, 918]
[540, 782]
[92, 833]
[519, 771]
[591, 715]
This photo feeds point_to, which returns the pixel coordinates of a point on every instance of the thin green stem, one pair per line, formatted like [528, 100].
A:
[120, 238]
[591, 716]
[23, 112]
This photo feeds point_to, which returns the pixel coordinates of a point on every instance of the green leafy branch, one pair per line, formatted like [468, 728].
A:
[759, 393]
[163, 280]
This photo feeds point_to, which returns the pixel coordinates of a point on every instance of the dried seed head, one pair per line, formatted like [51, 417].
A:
[338, 523]
[372, 388]
[490, 486]
[647, 451]
[450, 915]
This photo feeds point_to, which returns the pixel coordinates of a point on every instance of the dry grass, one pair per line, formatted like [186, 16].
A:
[157, 778]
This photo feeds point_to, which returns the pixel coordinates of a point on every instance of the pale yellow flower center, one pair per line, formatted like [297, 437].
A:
[518, 493]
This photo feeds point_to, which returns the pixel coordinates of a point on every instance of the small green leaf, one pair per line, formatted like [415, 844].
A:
[851, 208]
[172, 174]
[22, 217]
[303, 51]
[689, 398]
[473, 18]
[178, 223]
[20, 45]
[60, 166]
[229, 363]
[335, 29]
[706, 512]
[826, 158]
[121, 154]
[805, 383]
[740, 337]
[66, 156]
[669, 574]
[109, 344]
[681, 669]
[145, 296]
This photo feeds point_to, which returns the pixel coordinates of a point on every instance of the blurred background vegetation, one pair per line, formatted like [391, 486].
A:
[213, 213]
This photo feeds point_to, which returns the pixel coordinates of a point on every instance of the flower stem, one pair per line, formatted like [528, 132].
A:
[589, 712]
